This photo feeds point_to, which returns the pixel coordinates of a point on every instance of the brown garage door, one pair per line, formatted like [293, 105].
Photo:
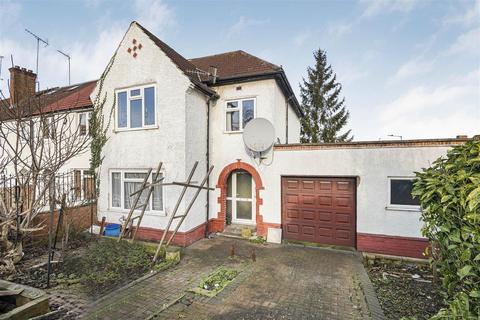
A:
[319, 210]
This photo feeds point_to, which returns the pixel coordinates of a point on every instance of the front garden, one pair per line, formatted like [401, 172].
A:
[88, 269]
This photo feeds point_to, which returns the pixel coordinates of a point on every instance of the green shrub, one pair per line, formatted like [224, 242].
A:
[449, 193]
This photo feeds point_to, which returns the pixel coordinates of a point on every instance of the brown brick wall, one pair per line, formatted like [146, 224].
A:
[79, 218]
[22, 84]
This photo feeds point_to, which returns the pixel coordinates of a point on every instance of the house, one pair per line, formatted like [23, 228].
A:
[164, 107]
[39, 114]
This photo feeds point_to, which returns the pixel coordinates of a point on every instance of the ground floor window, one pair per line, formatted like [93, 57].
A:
[400, 193]
[126, 182]
[83, 184]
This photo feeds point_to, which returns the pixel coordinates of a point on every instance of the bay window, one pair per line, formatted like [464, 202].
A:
[136, 107]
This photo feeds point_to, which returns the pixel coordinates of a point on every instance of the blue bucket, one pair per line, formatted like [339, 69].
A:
[112, 230]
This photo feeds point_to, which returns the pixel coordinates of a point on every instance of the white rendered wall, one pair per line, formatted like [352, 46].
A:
[144, 148]
[226, 148]
[80, 161]
[371, 167]
[195, 150]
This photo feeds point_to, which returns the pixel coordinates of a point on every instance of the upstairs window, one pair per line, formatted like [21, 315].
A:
[136, 108]
[48, 128]
[83, 123]
[401, 194]
[238, 114]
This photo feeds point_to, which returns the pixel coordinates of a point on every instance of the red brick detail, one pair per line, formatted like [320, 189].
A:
[392, 245]
[218, 224]
[183, 239]
[79, 218]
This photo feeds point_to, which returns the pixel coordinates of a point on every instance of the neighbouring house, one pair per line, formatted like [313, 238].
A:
[164, 107]
[36, 109]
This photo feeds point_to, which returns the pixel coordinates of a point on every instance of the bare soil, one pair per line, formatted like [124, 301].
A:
[90, 268]
[405, 289]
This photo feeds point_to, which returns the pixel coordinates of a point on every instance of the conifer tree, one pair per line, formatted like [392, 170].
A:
[325, 111]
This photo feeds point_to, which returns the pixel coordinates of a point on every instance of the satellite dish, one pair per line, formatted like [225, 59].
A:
[259, 135]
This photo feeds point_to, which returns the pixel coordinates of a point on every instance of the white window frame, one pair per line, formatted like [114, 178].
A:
[399, 207]
[240, 110]
[88, 115]
[130, 98]
[122, 190]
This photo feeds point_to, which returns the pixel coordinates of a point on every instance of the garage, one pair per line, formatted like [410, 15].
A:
[318, 209]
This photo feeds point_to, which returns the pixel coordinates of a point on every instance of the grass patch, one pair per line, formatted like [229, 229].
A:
[216, 281]
[258, 240]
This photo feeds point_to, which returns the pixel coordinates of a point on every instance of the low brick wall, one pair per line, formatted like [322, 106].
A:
[79, 217]
[392, 245]
[182, 239]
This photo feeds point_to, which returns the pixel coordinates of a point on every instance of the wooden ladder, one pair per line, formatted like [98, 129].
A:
[138, 195]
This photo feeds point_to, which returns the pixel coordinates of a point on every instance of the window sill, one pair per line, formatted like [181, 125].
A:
[403, 208]
[147, 213]
[233, 132]
[117, 130]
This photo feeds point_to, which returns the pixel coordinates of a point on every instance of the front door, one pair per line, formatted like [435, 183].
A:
[240, 198]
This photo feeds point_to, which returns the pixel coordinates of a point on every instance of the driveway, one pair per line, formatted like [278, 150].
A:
[285, 282]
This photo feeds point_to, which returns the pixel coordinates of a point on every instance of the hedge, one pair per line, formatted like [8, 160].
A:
[449, 194]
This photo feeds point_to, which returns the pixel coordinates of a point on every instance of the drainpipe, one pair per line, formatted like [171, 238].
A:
[286, 122]
[286, 117]
[208, 166]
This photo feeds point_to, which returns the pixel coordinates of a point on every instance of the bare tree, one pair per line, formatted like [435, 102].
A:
[38, 136]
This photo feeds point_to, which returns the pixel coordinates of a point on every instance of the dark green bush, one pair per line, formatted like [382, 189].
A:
[449, 193]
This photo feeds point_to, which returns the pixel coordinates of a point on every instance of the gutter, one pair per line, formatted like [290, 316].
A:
[278, 75]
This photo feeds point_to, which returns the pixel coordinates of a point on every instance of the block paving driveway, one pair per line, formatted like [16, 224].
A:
[285, 282]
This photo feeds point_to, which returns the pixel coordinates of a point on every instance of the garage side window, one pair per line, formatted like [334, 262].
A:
[400, 190]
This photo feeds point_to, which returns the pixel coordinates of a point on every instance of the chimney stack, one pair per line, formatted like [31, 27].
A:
[22, 84]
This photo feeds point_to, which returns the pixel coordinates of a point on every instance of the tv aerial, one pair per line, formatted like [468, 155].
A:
[259, 136]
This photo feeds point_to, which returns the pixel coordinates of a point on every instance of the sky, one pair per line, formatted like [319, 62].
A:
[408, 68]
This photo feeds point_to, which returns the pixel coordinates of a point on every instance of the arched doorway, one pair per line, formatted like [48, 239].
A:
[240, 199]
[218, 224]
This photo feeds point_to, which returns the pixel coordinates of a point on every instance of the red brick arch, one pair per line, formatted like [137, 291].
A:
[218, 224]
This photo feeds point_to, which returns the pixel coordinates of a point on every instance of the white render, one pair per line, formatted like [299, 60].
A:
[178, 139]
[370, 166]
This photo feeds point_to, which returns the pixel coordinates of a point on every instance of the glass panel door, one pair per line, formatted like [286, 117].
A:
[240, 193]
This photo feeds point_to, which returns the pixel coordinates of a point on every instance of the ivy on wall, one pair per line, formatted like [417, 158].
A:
[98, 125]
[449, 193]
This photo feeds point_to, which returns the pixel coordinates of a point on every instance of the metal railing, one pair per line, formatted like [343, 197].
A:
[78, 186]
